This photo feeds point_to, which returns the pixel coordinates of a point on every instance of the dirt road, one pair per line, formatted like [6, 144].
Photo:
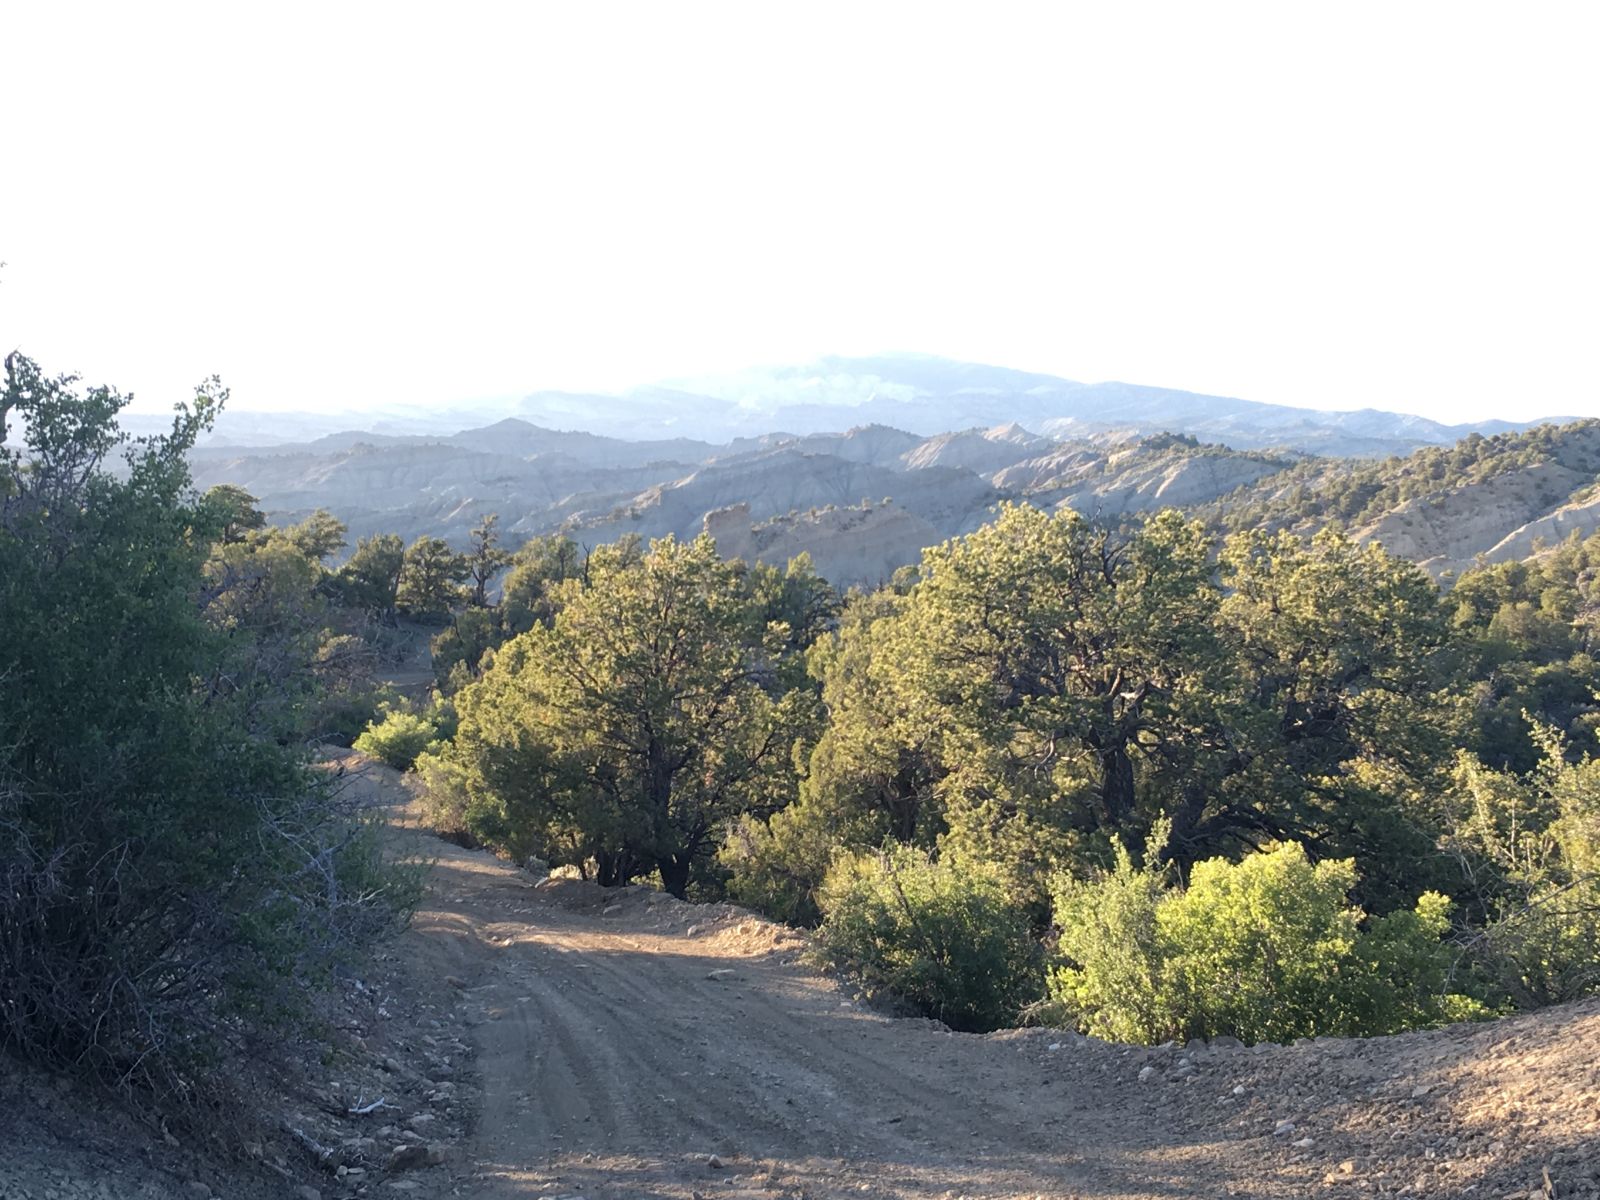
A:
[528, 1039]
[629, 1045]
[623, 1042]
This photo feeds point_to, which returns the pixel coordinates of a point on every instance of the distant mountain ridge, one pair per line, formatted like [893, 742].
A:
[759, 459]
[869, 500]
[918, 394]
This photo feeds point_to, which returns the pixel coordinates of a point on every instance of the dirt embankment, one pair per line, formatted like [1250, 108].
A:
[621, 1044]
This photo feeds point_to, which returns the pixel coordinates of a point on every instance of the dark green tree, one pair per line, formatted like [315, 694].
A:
[235, 511]
[537, 571]
[634, 726]
[319, 537]
[431, 578]
[485, 559]
[370, 580]
[173, 874]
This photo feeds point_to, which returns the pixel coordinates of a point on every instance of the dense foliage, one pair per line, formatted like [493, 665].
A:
[970, 751]
[1532, 845]
[172, 875]
[1266, 949]
[936, 935]
[653, 708]
[402, 732]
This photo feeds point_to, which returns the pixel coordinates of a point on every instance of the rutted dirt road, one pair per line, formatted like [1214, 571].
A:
[530, 1039]
[619, 1052]
[628, 1045]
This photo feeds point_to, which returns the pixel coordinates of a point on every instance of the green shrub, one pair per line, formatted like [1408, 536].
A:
[1535, 842]
[940, 936]
[776, 866]
[1111, 985]
[172, 874]
[403, 733]
[1267, 949]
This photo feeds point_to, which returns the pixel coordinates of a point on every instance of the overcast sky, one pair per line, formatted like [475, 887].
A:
[341, 204]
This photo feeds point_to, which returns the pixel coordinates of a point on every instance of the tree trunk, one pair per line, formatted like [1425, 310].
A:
[614, 868]
[1116, 786]
[675, 873]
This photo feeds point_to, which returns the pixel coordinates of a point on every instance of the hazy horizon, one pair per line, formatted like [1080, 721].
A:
[469, 407]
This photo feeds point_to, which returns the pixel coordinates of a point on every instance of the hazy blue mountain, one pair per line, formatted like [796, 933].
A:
[918, 394]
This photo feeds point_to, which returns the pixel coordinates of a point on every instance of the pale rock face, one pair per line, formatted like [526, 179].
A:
[878, 445]
[863, 503]
[1580, 519]
[847, 545]
[982, 451]
[786, 481]
[1498, 519]
[433, 488]
[1132, 478]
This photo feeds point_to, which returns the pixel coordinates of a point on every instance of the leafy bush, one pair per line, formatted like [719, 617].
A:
[172, 876]
[1110, 985]
[1535, 843]
[775, 866]
[404, 733]
[1267, 949]
[937, 934]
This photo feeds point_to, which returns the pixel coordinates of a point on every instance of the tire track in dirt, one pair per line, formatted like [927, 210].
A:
[612, 1063]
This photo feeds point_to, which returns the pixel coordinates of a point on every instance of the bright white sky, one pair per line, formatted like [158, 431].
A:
[342, 204]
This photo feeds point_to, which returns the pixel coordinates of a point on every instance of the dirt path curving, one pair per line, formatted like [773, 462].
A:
[628, 1045]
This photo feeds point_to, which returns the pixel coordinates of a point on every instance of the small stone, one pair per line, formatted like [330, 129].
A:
[392, 1065]
[1347, 1167]
[714, 1162]
[1305, 1143]
[198, 1188]
[692, 930]
[1238, 1089]
[1421, 1090]
[1283, 1129]
[609, 909]
[1053, 1047]
[307, 1193]
[459, 984]
[721, 973]
[416, 1154]
[1146, 1074]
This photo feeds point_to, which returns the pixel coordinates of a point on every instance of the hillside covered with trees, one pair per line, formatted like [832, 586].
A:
[1141, 778]
[1146, 776]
